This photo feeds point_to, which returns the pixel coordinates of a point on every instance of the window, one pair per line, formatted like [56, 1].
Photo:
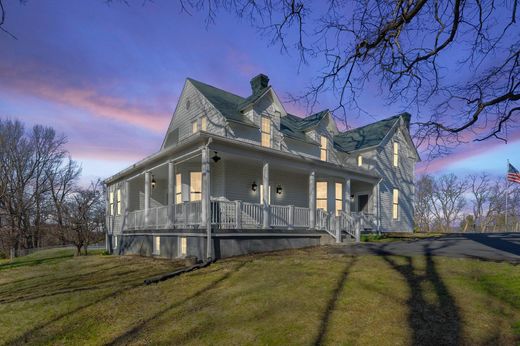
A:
[323, 149]
[195, 186]
[183, 246]
[118, 202]
[339, 198]
[194, 127]
[262, 194]
[395, 205]
[266, 132]
[396, 154]
[204, 123]
[321, 195]
[178, 188]
[111, 203]
[156, 245]
[360, 160]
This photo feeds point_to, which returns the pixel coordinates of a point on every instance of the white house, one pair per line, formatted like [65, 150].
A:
[236, 175]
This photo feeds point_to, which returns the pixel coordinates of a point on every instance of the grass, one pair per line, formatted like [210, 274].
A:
[299, 297]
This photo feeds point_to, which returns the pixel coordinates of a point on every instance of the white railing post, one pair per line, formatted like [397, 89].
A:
[147, 176]
[265, 197]
[238, 214]
[291, 217]
[338, 229]
[171, 194]
[312, 200]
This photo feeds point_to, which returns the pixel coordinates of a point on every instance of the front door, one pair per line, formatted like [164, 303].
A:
[362, 203]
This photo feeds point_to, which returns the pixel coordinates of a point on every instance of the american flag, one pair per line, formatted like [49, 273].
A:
[513, 174]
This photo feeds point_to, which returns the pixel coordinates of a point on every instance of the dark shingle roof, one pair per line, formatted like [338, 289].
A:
[367, 136]
[225, 102]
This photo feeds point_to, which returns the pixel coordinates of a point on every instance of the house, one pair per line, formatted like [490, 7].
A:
[236, 175]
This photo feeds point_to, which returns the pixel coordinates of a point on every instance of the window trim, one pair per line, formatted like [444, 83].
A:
[395, 204]
[340, 199]
[178, 188]
[183, 246]
[396, 154]
[111, 203]
[360, 160]
[118, 202]
[192, 192]
[326, 198]
[324, 152]
[204, 123]
[265, 133]
[156, 245]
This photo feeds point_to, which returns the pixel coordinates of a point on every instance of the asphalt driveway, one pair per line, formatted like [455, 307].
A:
[485, 246]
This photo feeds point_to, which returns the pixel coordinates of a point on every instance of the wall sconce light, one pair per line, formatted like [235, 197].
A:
[154, 183]
[352, 196]
[279, 189]
[254, 186]
[216, 158]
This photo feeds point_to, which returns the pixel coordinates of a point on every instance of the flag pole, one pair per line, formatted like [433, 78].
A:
[507, 190]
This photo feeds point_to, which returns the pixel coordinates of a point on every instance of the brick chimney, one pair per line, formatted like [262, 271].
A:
[259, 82]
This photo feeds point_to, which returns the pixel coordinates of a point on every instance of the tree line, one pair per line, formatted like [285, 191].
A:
[473, 203]
[42, 202]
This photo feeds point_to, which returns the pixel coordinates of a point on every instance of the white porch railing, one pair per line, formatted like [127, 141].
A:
[239, 215]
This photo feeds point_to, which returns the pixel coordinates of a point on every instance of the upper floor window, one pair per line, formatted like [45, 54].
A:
[204, 123]
[321, 195]
[194, 127]
[178, 188]
[396, 154]
[323, 149]
[195, 186]
[395, 205]
[118, 202]
[360, 160]
[339, 198]
[266, 132]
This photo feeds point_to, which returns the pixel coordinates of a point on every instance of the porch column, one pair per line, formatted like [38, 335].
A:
[171, 193]
[375, 193]
[346, 196]
[147, 179]
[126, 203]
[265, 197]
[206, 201]
[312, 200]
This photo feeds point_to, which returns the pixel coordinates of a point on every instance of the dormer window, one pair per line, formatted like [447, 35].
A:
[323, 149]
[266, 132]
[396, 154]
[360, 160]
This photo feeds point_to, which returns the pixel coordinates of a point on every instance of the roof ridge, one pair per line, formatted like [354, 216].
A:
[214, 87]
[370, 124]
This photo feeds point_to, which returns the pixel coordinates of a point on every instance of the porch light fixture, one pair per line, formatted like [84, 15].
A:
[279, 189]
[254, 186]
[154, 183]
[215, 157]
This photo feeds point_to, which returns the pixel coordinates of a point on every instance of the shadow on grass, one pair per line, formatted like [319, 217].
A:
[126, 337]
[431, 323]
[333, 301]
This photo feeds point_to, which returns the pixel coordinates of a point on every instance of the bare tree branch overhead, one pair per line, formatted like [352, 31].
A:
[454, 64]
[404, 48]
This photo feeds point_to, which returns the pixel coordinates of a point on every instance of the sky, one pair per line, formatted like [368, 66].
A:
[108, 77]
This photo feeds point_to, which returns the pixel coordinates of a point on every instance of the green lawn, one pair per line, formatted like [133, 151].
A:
[299, 297]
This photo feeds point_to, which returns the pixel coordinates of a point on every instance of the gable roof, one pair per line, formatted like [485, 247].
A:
[225, 102]
[369, 135]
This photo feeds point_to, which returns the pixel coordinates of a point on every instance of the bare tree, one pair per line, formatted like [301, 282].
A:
[480, 187]
[423, 213]
[85, 216]
[448, 200]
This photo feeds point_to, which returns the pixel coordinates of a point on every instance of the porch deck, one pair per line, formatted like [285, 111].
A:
[237, 215]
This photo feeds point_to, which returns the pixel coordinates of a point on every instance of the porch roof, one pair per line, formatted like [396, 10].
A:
[201, 138]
